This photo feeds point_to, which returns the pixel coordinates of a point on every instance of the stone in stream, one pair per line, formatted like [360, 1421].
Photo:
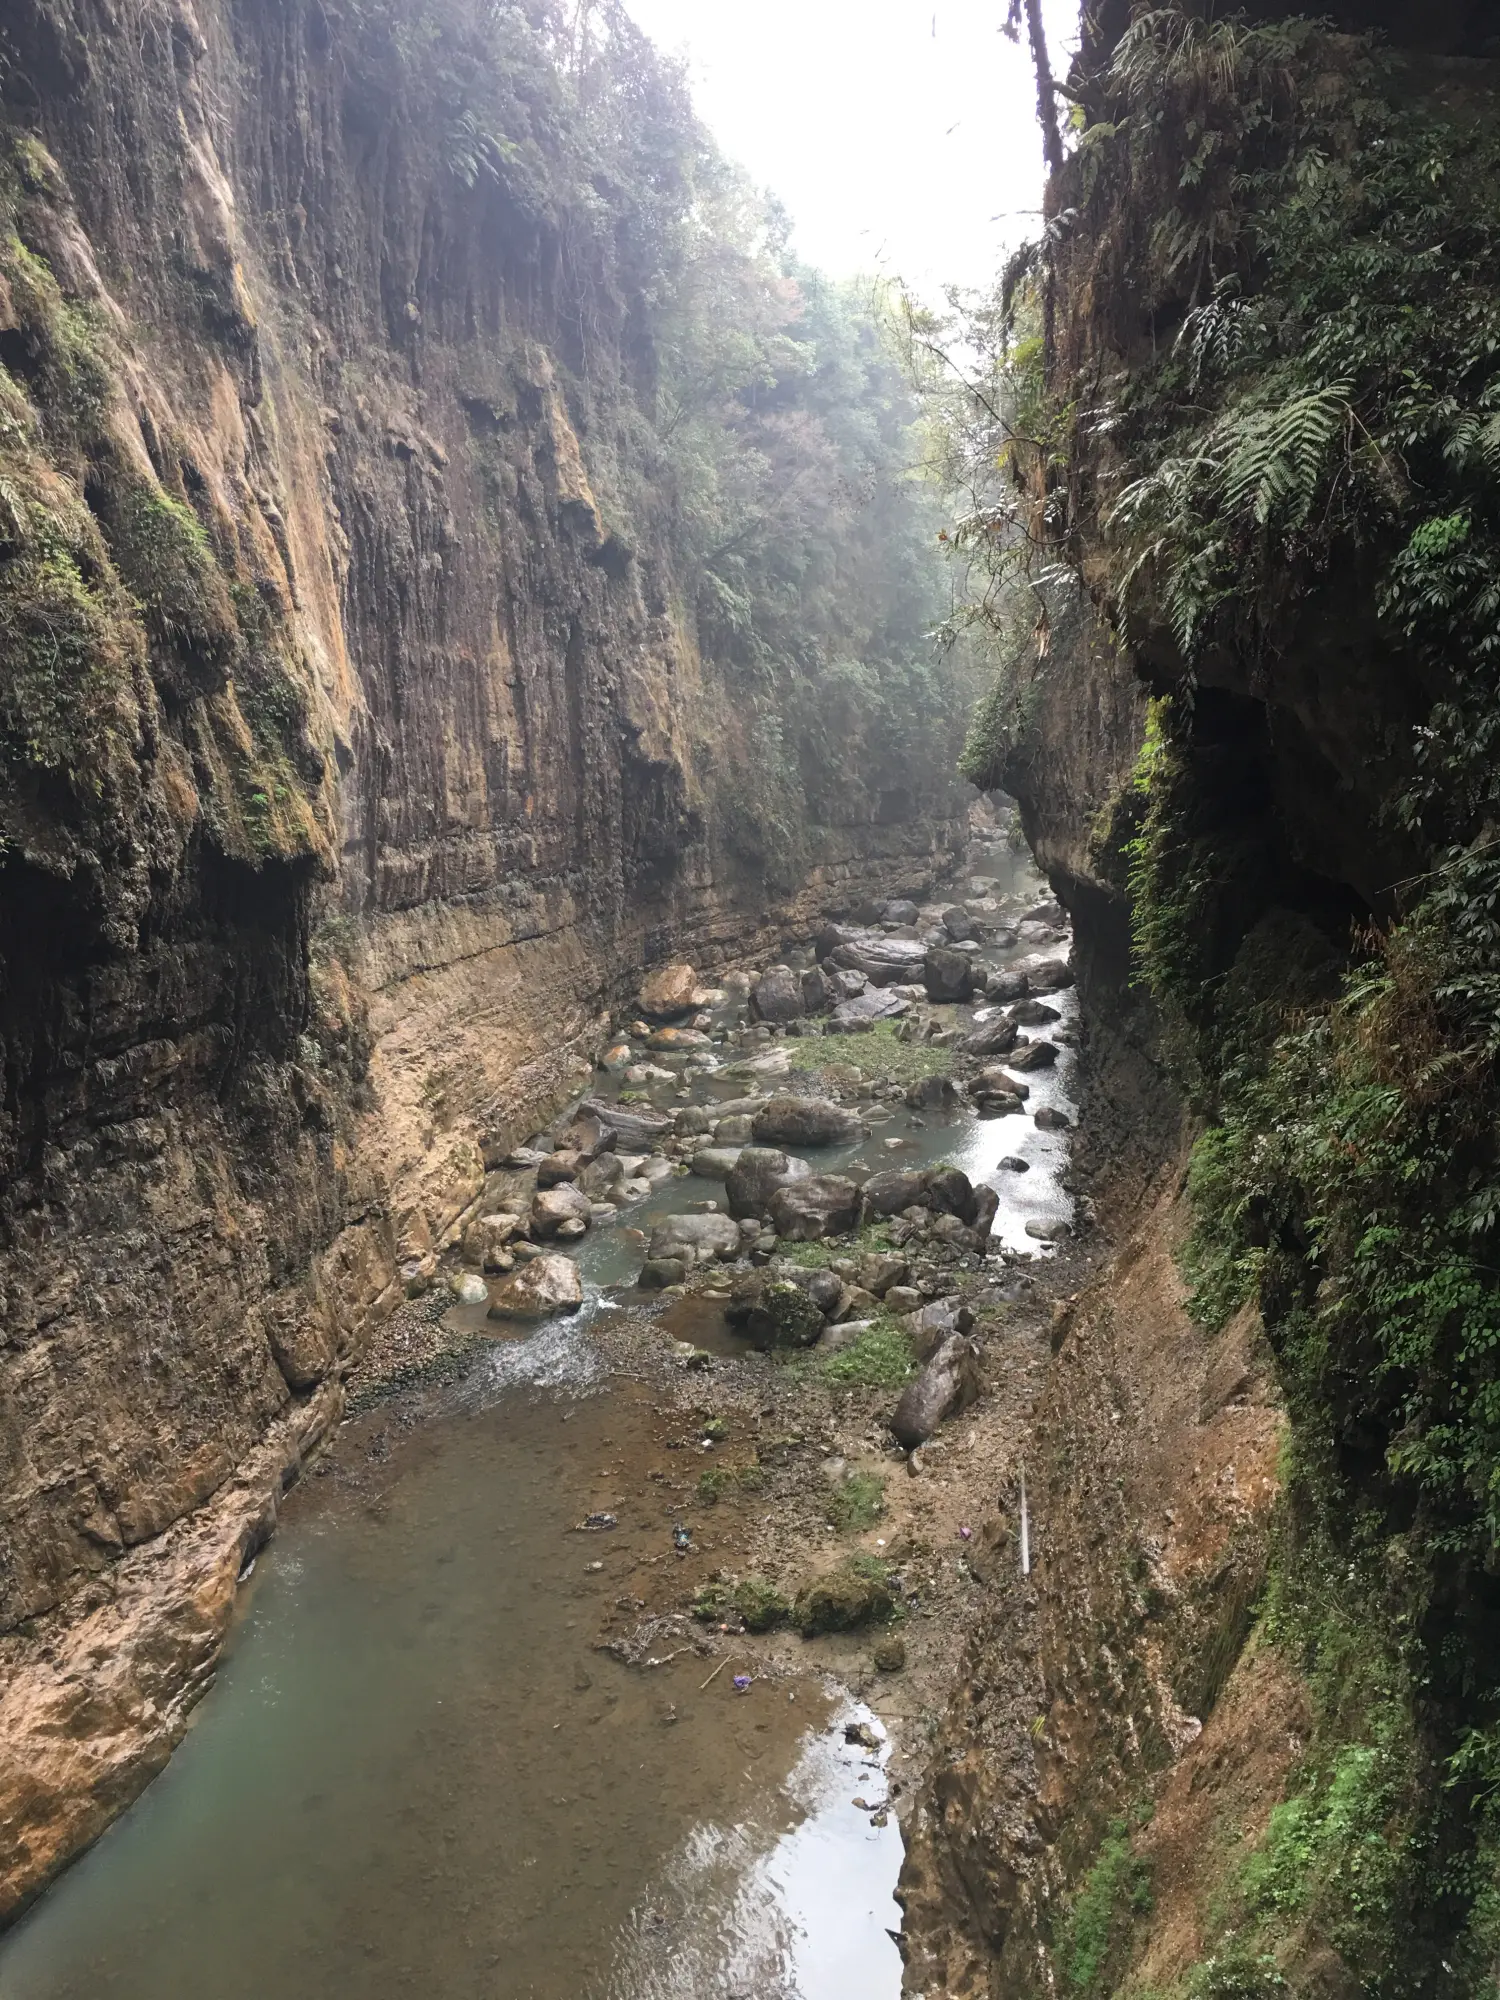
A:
[1007, 986]
[469, 1289]
[1012, 1165]
[875, 1003]
[678, 1041]
[1049, 975]
[692, 1122]
[1033, 1013]
[670, 991]
[736, 1130]
[756, 1175]
[548, 1284]
[948, 1384]
[996, 1081]
[485, 1239]
[618, 1056]
[601, 1176]
[1036, 1055]
[996, 1103]
[552, 1209]
[636, 1129]
[716, 1163]
[805, 1121]
[959, 924]
[885, 961]
[805, 1211]
[949, 1191]
[696, 1239]
[987, 1207]
[659, 1272]
[588, 1135]
[777, 995]
[928, 1091]
[1049, 1120]
[991, 1038]
[947, 974]
[556, 1168]
[891, 1193]
[1049, 1232]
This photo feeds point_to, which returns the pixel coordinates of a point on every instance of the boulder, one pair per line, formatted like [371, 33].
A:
[927, 1092]
[756, 1175]
[693, 1122]
[817, 991]
[858, 1305]
[553, 1208]
[1049, 1120]
[777, 995]
[587, 1136]
[845, 985]
[880, 1271]
[548, 1284]
[485, 1239]
[929, 1326]
[986, 1208]
[716, 1163]
[1007, 986]
[1036, 1055]
[804, 1211]
[947, 974]
[555, 1168]
[903, 1299]
[1049, 975]
[885, 961]
[1033, 1014]
[696, 1239]
[774, 1312]
[1012, 1164]
[841, 1600]
[1049, 1232]
[659, 1272]
[875, 1003]
[949, 1383]
[899, 912]
[959, 924]
[892, 1193]
[824, 1288]
[736, 1130]
[998, 1082]
[635, 1128]
[601, 1176]
[991, 1038]
[951, 1192]
[805, 1121]
[669, 991]
[678, 1041]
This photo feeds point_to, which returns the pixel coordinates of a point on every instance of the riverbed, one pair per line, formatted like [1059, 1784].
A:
[419, 1773]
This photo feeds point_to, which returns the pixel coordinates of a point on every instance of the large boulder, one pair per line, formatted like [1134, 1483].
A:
[547, 1285]
[947, 974]
[805, 1121]
[485, 1240]
[716, 1163]
[991, 1038]
[601, 1176]
[949, 1383]
[874, 1003]
[670, 991]
[822, 1205]
[817, 990]
[892, 1193]
[845, 985]
[987, 1207]
[1007, 986]
[1035, 1056]
[959, 924]
[885, 961]
[554, 1208]
[1033, 1014]
[932, 1324]
[695, 1239]
[900, 912]
[635, 1128]
[556, 1168]
[1049, 975]
[587, 1136]
[777, 995]
[678, 1041]
[951, 1192]
[756, 1175]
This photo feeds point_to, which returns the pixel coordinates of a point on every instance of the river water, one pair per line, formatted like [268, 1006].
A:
[416, 1775]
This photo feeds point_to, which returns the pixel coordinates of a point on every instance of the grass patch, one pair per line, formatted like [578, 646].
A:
[877, 1055]
[865, 1242]
[881, 1358]
[715, 1482]
[857, 1503]
[1096, 1935]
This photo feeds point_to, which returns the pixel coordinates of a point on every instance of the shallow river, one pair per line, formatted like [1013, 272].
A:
[415, 1775]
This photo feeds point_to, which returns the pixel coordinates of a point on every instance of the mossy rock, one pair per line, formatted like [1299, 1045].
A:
[786, 1317]
[843, 1599]
[758, 1605]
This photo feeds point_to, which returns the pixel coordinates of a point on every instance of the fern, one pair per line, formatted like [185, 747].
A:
[1277, 457]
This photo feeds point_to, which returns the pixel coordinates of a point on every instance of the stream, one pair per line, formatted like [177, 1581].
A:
[417, 1774]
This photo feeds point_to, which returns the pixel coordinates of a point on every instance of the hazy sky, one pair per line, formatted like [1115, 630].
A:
[901, 134]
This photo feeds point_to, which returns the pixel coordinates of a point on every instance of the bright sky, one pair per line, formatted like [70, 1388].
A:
[900, 134]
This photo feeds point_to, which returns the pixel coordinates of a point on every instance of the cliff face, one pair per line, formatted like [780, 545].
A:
[356, 748]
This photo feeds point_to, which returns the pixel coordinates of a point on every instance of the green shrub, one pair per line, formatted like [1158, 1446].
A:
[1096, 1933]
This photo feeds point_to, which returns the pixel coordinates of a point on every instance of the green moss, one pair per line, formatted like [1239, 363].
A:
[715, 1482]
[857, 1502]
[1097, 1932]
[879, 1358]
[758, 1605]
[163, 555]
[878, 1054]
[857, 1593]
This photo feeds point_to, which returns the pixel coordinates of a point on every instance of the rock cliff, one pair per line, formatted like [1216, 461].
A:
[357, 747]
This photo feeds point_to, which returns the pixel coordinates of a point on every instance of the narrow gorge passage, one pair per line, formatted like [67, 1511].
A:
[460, 1738]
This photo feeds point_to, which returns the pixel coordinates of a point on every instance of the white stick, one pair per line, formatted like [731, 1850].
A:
[1025, 1531]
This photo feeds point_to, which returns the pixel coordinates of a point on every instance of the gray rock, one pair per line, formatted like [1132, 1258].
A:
[1007, 986]
[552, 1209]
[845, 985]
[1049, 975]
[929, 1091]
[892, 1193]
[987, 1207]
[1049, 1232]
[734, 1131]
[695, 1239]
[659, 1272]
[875, 1003]
[900, 912]
[822, 1205]
[470, 1289]
[824, 1288]
[777, 995]
[885, 961]
[692, 1122]
[929, 1327]
[817, 991]
[670, 991]
[996, 1080]
[947, 974]
[805, 1121]
[771, 1312]
[601, 1176]
[1033, 1014]
[1013, 1165]
[996, 1103]
[959, 924]
[1049, 1120]
[948, 1384]
[1035, 1056]
[716, 1163]
[556, 1168]
[548, 1284]
[756, 1175]
[949, 1191]
[636, 1128]
[991, 1038]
